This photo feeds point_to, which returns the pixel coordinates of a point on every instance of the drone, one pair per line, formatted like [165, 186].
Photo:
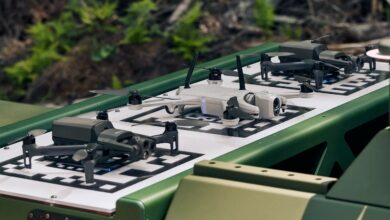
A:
[312, 59]
[229, 104]
[92, 142]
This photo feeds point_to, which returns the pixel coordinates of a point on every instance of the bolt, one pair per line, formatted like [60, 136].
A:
[47, 216]
[53, 197]
[30, 215]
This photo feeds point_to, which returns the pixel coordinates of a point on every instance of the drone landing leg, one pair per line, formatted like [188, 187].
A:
[27, 159]
[89, 166]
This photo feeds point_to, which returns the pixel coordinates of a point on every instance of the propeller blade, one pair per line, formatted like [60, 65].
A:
[37, 132]
[80, 155]
[330, 66]
[270, 54]
[280, 54]
[229, 73]
[159, 97]
[34, 133]
[117, 92]
[305, 81]
[181, 122]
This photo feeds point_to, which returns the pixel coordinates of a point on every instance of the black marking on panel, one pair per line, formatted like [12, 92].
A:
[332, 84]
[244, 129]
[76, 180]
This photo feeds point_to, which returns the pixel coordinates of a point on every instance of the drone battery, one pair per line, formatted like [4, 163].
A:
[72, 130]
[302, 50]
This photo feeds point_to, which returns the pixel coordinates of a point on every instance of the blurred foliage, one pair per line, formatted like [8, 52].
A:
[81, 18]
[95, 15]
[186, 38]
[50, 40]
[291, 32]
[116, 82]
[263, 12]
[102, 51]
[139, 22]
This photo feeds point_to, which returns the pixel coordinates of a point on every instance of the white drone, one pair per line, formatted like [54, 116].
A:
[229, 104]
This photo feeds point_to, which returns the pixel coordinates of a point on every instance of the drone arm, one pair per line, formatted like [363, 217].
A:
[348, 65]
[287, 66]
[166, 102]
[268, 66]
[32, 150]
[293, 95]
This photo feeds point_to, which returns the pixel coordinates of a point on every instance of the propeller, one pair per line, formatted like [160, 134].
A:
[125, 92]
[270, 54]
[30, 135]
[306, 86]
[233, 110]
[181, 122]
[36, 132]
[134, 97]
[85, 153]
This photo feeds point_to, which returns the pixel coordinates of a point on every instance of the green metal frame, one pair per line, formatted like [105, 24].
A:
[152, 202]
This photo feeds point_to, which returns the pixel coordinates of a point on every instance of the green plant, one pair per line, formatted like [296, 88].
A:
[50, 41]
[102, 52]
[186, 37]
[138, 22]
[263, 12]
[116, 82]
[94, 14]
[291, 32]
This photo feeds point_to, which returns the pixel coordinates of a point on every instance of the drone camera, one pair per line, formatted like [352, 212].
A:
[269, 104]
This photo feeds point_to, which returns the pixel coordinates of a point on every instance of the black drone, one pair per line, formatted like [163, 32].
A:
[91, 142]
[311, 59]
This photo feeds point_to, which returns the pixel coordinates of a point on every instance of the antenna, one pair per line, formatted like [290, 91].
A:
[240, 73]
[190, 70]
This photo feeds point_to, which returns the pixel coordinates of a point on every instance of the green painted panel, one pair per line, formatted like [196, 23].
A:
[17, 209]
[11, 112]
[329, 126]
[367, 180]
[320, 208]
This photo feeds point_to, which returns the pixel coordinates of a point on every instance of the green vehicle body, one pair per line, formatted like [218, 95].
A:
[330, 134]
